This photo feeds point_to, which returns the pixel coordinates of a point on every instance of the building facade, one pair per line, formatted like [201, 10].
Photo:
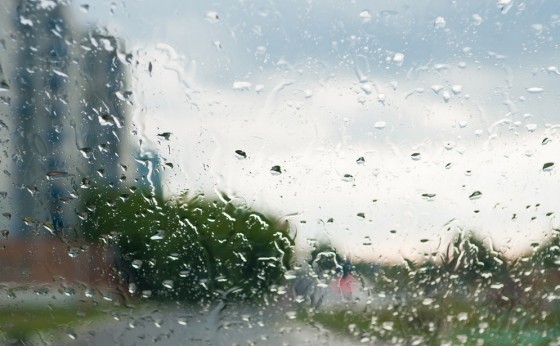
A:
[65, 103]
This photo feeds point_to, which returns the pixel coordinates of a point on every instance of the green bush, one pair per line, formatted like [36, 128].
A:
[189, 250]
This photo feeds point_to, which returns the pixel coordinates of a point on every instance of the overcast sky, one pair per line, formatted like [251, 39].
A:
[311, 86]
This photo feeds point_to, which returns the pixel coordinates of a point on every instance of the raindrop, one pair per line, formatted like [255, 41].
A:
[361, 160]
[362, 215]
[160, 234]
[545, 141]
[477, 19]
[5, 233]
[415, 156]
[213, 17]
[132, 288]
[365, 16]
[439, 22]
[52, 175]
[531, 127]
[7, 215]
[398, 58]
[240, 154]
[4, 86]
[167, 284]
[86, 152]
[348, 178]
[146, 294]
[457, 89]
[276, 170]
[182, 321]
[475, 195]
[427, 301]
[387, 325]
[437, 88]
[380, 125]
[547, 167]
[73, 252]
[136, 264]
[71, 334]
[367, 88]
[241, 85]
[429, 196]
[165, 135]
[535, 90]
[448, 145]
[446, 95]
[84, 8]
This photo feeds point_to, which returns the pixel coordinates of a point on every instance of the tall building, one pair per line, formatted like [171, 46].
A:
[64, 104]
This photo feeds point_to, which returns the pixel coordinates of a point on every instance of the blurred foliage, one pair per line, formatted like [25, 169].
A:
[19, 325]
[193, 250]
[468, 293]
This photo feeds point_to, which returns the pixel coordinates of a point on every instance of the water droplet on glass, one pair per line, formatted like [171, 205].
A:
[427, 301]
[73, 252]
[84, 8]
[415, 156]
[165, 135]
[71, 334]
[398, 58]
[429, 196]
[86, 153]
[212, 17]
[477, 19]
[367, 88]
[531, 127]
[241, 85]
[5, 233]
[380, 125]
[136, 264]
[439, 22]
[132, 288]
[240, 154]
[475, 195]
[276, 170]
[365, 16]
[547, 167]
[457, 89]
[146, 294]
[52, 175]
[348, 178]
[446, 95]
[167, 284]
[535, 90]
[437, 88]
[387, 325]
[361, 160]
[160, 234]
[182, 321]
[545, 141]
[462, 316]
[448, 145]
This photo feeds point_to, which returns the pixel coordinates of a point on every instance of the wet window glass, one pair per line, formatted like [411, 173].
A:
[279, 172]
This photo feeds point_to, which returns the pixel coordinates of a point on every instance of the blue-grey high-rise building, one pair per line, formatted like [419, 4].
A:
[64, 104]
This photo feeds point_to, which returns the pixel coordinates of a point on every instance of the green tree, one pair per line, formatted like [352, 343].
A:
[189, 250]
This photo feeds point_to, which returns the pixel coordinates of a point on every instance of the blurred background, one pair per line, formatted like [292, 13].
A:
[206, 151]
